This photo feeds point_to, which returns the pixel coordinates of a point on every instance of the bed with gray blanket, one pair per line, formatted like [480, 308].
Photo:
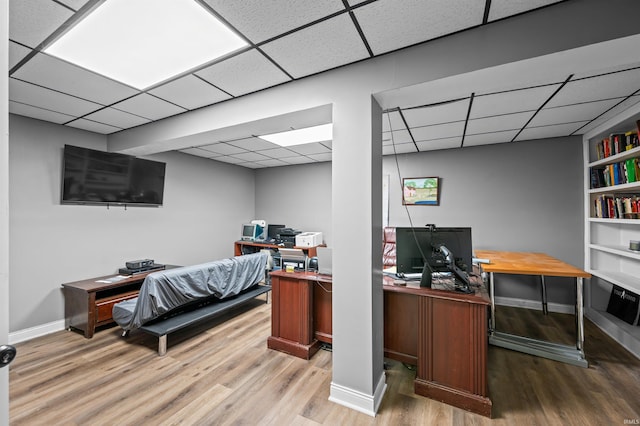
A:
[165, 293]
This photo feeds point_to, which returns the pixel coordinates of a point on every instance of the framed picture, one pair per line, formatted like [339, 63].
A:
[423, 191]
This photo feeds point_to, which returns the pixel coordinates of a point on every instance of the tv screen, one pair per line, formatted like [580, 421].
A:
[98, 177]
[415, 245]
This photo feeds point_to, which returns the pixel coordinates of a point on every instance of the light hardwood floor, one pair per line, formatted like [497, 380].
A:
[223, 373]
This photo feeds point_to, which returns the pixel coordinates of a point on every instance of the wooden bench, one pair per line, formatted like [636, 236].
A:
[205, 310]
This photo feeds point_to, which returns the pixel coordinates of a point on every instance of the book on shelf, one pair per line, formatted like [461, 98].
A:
[617, 143]
[618, 206]
[618, 173]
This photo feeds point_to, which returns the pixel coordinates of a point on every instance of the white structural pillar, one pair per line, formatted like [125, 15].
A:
[4, 205]
[358, 373]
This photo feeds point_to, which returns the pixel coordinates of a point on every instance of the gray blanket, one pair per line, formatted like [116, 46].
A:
[166, 290]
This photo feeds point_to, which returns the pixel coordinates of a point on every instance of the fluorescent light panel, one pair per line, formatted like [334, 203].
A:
[313, 134]
[143, 42]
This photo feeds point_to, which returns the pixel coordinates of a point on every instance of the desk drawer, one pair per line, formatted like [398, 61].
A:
[105, 306]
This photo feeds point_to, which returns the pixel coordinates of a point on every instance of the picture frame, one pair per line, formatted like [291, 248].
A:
[421, 191]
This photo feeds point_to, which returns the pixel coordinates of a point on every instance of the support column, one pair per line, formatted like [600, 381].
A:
[4, 204]
[358, 373]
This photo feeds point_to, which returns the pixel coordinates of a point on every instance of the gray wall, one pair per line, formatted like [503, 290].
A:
[296, 196]
[205, 203]
[521, 196]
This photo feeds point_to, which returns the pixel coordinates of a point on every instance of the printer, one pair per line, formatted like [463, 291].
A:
[308, 239]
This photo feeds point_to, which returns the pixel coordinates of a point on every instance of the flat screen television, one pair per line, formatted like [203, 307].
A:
[414, 246]
[90, 176]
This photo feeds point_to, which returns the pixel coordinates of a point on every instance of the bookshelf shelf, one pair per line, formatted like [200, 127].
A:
[625, 187]
[618, 250]
[607, 255]
[633, 153]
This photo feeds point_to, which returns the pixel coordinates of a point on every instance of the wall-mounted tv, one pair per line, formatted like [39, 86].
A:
[96, 177]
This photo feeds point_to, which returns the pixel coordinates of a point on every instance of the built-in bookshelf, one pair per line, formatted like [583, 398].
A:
[612, 220]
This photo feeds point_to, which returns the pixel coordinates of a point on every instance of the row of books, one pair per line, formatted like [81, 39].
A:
[620, 206]
[626, 171]
[617, 143]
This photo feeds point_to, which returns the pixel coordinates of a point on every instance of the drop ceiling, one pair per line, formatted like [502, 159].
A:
[293, 40]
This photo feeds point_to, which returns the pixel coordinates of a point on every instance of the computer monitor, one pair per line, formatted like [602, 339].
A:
[273, 231]
[250, 231]
[414, 246]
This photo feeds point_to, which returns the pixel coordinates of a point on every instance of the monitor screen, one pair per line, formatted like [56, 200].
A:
[249, 231]
[273, 231]
[414, 246]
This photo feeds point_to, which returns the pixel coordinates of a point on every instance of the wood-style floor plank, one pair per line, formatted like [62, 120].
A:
[223, 373]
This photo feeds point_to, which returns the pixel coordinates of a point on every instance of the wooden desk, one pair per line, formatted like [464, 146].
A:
[88, 303]
[523, 263]
[443, 333]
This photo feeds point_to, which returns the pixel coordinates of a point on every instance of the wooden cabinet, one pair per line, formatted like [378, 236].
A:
[607, 254]
[88, 303]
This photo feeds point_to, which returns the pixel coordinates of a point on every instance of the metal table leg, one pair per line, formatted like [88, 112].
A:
[545, 311]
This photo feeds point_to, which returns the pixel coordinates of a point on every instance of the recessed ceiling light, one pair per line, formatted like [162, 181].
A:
[320, 133]
[144, 42]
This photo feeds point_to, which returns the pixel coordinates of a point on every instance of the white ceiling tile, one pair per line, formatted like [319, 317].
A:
[272, 163]
[31, 22]
[62, 76]
[503, 8]
[253, 144]
[243, 73]
[190, 92]
[446, 143]
[437, 114]
[74, 4]
[223, 149]
[622, 106]
[149, 107]
[438, 131]
[30, 94]
[498, 123]
[310, 148]
[571, 113]
[117, 118]
[490, 138]
[229, 159]
[251, 156]
[320, 47]
[403, 148]
[390, 24]
[298, 160]
[199, 152]
[558, 130]
[16, 53]
[251, 165]
[580, 74]
[259, 20]
[399, 136]
[92, 126]
[616, 85]
[39, 113]
[321, 157]
[279, 153]
[486, 105]
[393, 119]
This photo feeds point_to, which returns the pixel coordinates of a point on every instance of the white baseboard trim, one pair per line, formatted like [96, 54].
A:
[534, 304]
[356, 400]
[37, 331]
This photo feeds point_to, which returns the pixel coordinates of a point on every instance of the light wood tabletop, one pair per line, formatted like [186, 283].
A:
[524, 263]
